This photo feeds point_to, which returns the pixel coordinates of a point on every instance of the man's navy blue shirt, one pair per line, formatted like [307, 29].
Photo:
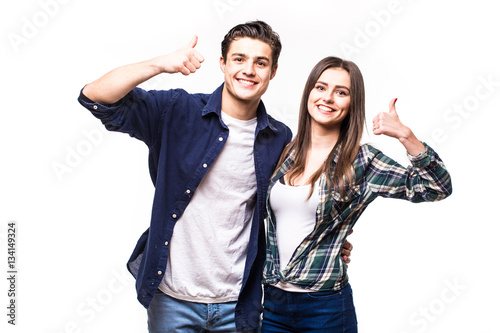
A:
[185, 134]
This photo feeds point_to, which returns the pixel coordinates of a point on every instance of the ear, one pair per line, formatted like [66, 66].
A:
[222, 64]
[273, 73]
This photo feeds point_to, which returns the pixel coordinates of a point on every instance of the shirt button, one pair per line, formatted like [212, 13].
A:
[174, 216]
[166, 243]
[205, 165]
[221, 139]
[188, 191]
[159, 272]
[95, 107]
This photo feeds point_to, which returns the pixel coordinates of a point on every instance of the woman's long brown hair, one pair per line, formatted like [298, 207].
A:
[351, 130]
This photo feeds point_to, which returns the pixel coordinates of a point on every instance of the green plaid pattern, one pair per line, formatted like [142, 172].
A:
[316, 263]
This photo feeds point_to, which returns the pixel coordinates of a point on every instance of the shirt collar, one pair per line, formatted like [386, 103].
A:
[214, 105]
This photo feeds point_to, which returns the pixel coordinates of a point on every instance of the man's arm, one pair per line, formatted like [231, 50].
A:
[114, 85]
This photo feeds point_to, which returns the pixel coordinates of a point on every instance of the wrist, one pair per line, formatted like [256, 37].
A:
[412, 145]
[405, 135]
[155, 66]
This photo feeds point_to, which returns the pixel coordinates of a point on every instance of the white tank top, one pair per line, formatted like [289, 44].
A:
[295, 220]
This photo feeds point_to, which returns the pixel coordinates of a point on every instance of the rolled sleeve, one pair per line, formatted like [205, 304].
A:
[431, 167]
[104, 112]
[138, 114]
[427, 179]
[423, 159]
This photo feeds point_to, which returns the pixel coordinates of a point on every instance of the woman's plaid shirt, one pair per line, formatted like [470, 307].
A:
[316, 263]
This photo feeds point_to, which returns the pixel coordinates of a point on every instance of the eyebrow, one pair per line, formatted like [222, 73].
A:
[243, 55]
[337, 86]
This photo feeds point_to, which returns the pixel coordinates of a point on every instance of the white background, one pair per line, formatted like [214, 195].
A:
[81, 197]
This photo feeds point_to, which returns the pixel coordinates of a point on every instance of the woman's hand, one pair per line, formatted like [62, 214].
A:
[388, 123]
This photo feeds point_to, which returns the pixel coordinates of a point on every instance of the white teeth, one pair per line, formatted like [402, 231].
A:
[246, 82]
[325, 108]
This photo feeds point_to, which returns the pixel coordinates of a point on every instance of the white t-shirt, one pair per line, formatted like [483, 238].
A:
[210, 241]
[295, 220]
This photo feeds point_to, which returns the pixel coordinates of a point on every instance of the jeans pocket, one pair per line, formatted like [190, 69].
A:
[329, 294]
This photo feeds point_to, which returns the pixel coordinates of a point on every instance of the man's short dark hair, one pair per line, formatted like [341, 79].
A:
[256, 30]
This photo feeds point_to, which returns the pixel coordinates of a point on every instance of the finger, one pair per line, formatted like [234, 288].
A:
[376, 125]
[392, 105]
[346, 259]
[192, 61]
[198, 56]
[190, 66]
[347, 245]
[192, 43]
[345, 253]
[184, 70]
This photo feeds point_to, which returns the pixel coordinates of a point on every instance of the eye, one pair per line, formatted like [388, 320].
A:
[320, 88]
[342, 93]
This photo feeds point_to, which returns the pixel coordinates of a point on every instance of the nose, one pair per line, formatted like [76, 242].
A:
[249, 69]
[328, 97]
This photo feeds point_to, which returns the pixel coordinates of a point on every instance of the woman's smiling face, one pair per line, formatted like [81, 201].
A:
[330, 98]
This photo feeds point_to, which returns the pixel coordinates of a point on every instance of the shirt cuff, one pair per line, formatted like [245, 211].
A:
[423, 159]
[94, 106]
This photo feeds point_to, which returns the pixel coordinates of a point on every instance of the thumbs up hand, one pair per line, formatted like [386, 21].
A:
[185, 60]
[388, 123]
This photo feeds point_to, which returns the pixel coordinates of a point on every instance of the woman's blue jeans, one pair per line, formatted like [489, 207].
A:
[324, 311]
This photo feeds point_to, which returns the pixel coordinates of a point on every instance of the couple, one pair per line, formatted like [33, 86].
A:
[219, 227]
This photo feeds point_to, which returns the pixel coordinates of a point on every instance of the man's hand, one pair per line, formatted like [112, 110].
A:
[185, 60]
[114, 85]
[346, 250]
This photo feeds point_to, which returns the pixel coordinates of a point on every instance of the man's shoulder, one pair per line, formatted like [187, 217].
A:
[280, 128]
[212, 100]
[277, 123]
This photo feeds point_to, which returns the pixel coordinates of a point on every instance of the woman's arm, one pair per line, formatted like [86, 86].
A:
[426, 180]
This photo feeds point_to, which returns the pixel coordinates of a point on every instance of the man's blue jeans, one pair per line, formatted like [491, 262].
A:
[309, 312]
[167, 314]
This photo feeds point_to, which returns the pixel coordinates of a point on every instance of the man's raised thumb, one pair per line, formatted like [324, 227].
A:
[193, 42]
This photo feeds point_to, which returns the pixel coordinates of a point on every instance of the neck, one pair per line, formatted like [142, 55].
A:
[323, 139]
[322, 143]
[239, 109]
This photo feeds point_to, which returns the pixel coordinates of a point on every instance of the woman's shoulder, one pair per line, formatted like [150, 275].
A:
[367, 152]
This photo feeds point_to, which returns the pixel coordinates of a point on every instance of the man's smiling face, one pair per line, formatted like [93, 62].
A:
[247, 71]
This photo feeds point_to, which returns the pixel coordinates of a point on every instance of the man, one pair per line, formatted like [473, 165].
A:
[199, 265]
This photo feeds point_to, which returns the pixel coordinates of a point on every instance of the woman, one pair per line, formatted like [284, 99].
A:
[323, 183]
